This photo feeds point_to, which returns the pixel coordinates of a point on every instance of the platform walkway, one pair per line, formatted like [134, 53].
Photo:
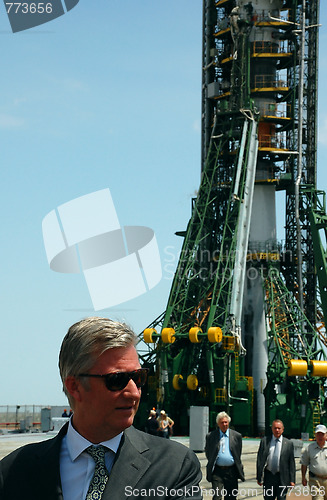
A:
[247, 490]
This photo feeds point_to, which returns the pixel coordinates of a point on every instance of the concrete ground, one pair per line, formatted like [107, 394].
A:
[247, 490]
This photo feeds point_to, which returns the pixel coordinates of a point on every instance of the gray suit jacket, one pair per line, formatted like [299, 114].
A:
[142, 462]
[212, 449]
[287, 461]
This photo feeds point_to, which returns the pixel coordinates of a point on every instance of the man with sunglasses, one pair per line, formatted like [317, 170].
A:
[98, 454]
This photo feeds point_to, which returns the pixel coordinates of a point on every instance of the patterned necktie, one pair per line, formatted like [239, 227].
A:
[275, 458]
[101, 476]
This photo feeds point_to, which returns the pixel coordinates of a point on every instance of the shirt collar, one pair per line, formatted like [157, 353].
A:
[321, 448]
[273, 439]
[224, 433]
[76, 443]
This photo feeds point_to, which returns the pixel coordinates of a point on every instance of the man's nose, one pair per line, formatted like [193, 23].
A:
[131, 388]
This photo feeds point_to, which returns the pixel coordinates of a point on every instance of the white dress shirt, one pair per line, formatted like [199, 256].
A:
[224, 457]
[77, 466]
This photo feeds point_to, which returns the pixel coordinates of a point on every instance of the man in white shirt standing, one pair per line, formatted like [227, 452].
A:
[314, 456]
[276, 463]
[98, 454]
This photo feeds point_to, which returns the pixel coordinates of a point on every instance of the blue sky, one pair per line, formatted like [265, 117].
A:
[107, 95]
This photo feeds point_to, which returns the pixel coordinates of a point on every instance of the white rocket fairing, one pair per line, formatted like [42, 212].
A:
[262, 241]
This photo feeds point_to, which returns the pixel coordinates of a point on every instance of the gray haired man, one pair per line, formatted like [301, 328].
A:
[98, 454]
[223, 450]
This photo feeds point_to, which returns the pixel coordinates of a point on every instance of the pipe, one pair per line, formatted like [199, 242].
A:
[299, 172]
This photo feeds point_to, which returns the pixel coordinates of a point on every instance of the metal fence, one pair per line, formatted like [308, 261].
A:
[25, 417]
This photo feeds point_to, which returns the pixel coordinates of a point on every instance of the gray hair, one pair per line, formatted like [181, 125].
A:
[277, 420]
[221, 415]
[85, 341]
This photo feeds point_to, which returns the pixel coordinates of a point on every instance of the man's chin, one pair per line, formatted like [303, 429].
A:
[127, 420]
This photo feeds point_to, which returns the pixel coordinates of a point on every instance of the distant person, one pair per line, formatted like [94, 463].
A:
[171, 426]
[152, 424]
[314, 456]
[97, 453]
[165, 425]
[223, 450]
[276, 463]
[65, 414]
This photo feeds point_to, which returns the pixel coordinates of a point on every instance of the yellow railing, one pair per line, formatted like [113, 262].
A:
[279, 110]
[262, 47]
[272, 141]
[220, 395]
[267, 81]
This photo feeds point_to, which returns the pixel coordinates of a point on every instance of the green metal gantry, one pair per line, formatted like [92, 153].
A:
[259, 96]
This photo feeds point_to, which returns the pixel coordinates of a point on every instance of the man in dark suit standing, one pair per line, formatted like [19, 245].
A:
[223, 450]
[276, 463]
[98, 454]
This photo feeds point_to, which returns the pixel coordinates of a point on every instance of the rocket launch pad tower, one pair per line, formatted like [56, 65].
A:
[244, 329]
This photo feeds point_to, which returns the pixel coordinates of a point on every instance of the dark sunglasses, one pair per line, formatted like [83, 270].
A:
[118, 380]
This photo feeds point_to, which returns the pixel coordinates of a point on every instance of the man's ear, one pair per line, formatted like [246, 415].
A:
[73, 386]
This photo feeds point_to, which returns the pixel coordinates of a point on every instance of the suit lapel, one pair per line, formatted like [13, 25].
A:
[267, 448]
[282, 450]
[283, 445]
[50, 479]
[231, 441]
[215, 448]
[217, 440]
[129, 466]
[48, 466]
